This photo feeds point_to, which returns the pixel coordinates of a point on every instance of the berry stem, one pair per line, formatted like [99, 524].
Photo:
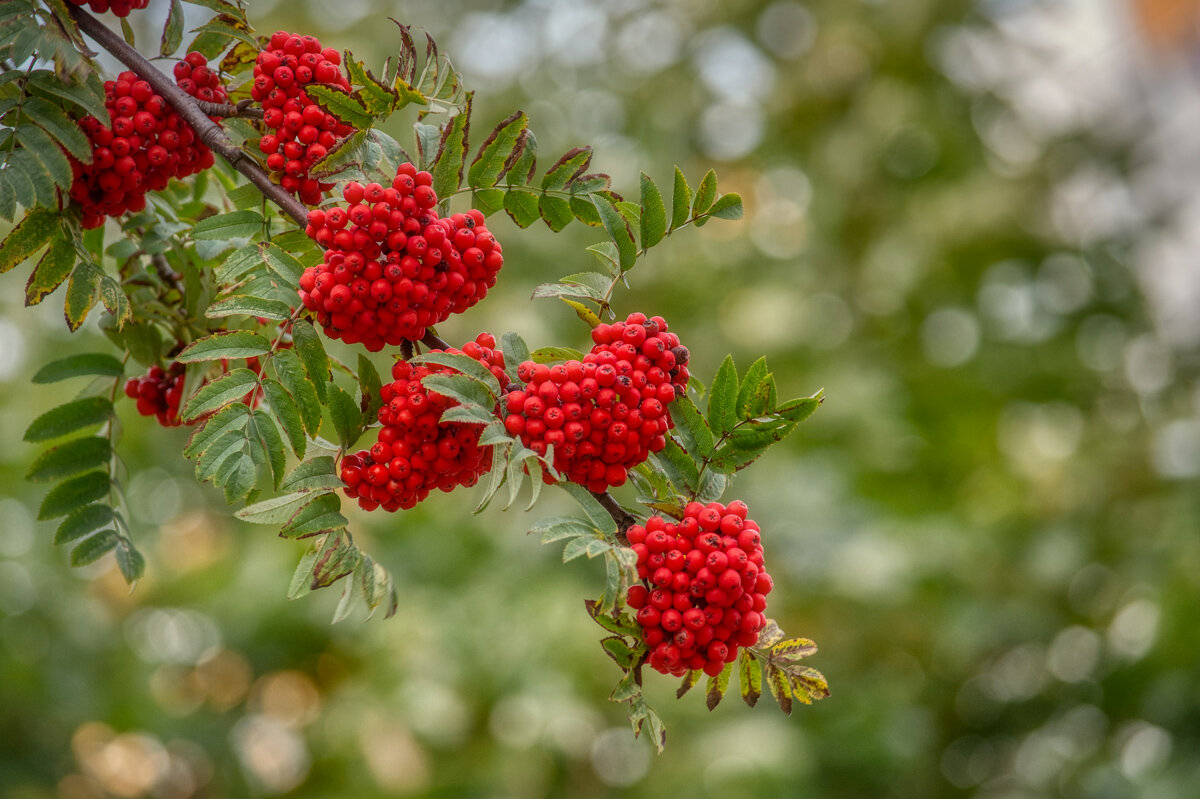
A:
[208, 131]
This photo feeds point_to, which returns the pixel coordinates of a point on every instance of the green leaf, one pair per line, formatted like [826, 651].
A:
[378, 99]
[718, 685]
[312, 355]
[592, 508]
[336, 558]
[272, 444]
[69, 417]
[654, 214]
[351, 152]
[797, 410]
[555, 354]
[83, 289]
[559, 528]
[689, 682]
[73, 457]
[678, 465]
[464, 364]
[706, 192]
[722, 399]
[285, 411]
[681, 200]
[82, 522]
[84, 364]
[320, 515]
[212, 396]
[37, 228]
[275, 510]
[522, 207]
[231, 344]
[70, 495]
[80, 95]
[61, 128]
[467, 414]
[692, 427]
[293, 377]
[748, 406]
[347, 418]
[515, 350]
[47, 153]
[618, 229]
[572, 164]
[284, 266]
[301, 582]
[313, 475]
[341, 105]
[620, 651]
[523, 162]
[131, 562]
[172, 35]
[584, 210]
[555, 212]
[452, 153]
[460, 387]
[247, 305]
[777, 681]
[749, 677]
[229, 420]
[115, 301]
[90, 550]
[233, 225]
[239, 262]
[236, 475]
[728, 206]
[497, 151]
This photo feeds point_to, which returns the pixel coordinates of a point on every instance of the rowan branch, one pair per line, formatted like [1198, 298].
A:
[208, 131]
[242, 109]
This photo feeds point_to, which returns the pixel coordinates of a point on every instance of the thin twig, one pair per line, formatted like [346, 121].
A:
[208, 131]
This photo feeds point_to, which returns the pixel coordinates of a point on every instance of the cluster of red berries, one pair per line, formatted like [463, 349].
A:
[416, 451]
[704, 587]
[147, 144]
[119, 7]
[303, 132]
[158, 393]
[194, 77]
[392, 266]
[603, 415]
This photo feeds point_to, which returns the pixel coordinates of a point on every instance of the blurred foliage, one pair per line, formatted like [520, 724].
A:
[989, 527]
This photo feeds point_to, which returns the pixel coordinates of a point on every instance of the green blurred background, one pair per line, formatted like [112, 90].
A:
[973, 223]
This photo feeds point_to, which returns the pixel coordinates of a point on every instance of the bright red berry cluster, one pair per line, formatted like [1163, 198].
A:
[416, 451]
[303, 132]
[158, 393]
[605, 414]
[392, 266]
[147, 144]
[193, 75]
[119, 7]
[704, 587]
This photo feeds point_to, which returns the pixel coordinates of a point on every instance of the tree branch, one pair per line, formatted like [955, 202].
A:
[208, 131]
[622, 517]
[242, 109]
[432, 341]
